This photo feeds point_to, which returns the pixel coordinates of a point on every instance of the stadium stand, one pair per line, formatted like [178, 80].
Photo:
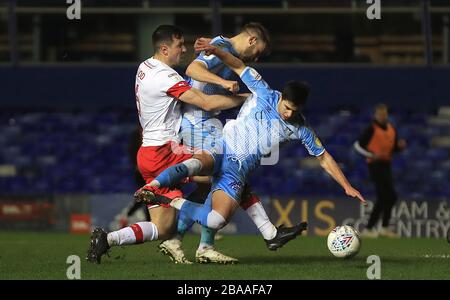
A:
[86, 152]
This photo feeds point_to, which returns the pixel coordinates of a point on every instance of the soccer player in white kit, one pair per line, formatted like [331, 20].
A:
[159, 90]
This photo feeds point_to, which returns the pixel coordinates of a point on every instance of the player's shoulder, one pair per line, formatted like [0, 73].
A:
[223, 42]
[150, 65]
[154, 65]
[251, 73]
[220, 39]
[159, 69]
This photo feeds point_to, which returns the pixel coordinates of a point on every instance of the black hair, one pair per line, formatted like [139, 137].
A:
[261, 32]
[165, 34]
[296, 92]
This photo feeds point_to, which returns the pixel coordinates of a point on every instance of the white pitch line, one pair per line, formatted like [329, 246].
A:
[436, 256]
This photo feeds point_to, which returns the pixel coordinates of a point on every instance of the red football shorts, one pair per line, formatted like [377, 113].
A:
[152, 160]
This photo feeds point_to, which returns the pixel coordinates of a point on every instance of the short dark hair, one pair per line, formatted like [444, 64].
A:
[165, 34]
[296, 92]
[260, 31]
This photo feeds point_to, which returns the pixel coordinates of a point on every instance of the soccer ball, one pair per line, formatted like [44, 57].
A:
[344, 241]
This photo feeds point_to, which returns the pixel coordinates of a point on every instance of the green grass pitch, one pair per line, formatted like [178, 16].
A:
[43, 256]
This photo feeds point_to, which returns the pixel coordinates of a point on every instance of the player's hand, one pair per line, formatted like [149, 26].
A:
[232, 86]
[201, 41]
[352, 192]
[203, 44]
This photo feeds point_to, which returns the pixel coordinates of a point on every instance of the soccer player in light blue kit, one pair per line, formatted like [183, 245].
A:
[200, 129]
[267, 119]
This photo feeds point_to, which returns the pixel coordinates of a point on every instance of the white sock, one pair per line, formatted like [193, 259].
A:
[215, 220]
[134, 234]
[177, 203]
[261, 220]
[193, 165]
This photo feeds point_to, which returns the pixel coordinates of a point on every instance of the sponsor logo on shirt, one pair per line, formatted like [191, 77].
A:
[235, 185]
[234, 159]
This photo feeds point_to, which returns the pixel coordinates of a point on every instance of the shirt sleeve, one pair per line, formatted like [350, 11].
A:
[365, 137]
[212, 61]
[311, 141]
[254, 82]
[172, 83]
[178, 89]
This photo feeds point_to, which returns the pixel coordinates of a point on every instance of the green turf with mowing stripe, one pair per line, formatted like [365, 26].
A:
[43, 256]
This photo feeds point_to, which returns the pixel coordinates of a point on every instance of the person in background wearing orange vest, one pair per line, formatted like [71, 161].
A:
[377, 143]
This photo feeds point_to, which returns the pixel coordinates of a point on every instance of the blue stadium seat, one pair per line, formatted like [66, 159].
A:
[87, 152]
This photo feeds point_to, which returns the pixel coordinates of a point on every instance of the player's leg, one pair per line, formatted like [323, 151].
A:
[253, 206]
[224, 206]
[206, 252]
[273, 236]
[101, 241]
[199, 195]
[214, 213]
[136, 205]
[163, 219]
[201, 164]
[370, 230]
[390, 197]
[221, 202]
[202, 138]
[161, 227]
[171, 245]
[212, 216]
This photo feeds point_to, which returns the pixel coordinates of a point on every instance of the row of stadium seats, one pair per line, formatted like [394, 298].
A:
[87, 152]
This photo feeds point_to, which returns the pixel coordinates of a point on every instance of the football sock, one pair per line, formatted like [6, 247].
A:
[200, 213]
[215, 220]
[183, 225]
[207, 234]
[173, 175]
[207, 237]
[134, 234]
[261, 220]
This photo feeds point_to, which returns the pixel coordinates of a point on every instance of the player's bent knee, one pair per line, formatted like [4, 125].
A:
[215, 220]
[164, 231]
[207, 162]
[165, 221]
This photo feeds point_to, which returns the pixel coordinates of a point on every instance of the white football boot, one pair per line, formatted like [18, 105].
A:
[172, 248]
[211, 255]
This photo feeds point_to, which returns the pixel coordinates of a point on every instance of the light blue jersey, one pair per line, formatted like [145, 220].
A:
[256, 131]
[198, 127]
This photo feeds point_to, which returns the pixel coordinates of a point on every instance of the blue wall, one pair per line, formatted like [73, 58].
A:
[98, 87]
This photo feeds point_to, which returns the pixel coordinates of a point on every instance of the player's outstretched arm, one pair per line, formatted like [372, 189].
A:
[210, 102]
[229, 59]
[329, 164]
[197, 70]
